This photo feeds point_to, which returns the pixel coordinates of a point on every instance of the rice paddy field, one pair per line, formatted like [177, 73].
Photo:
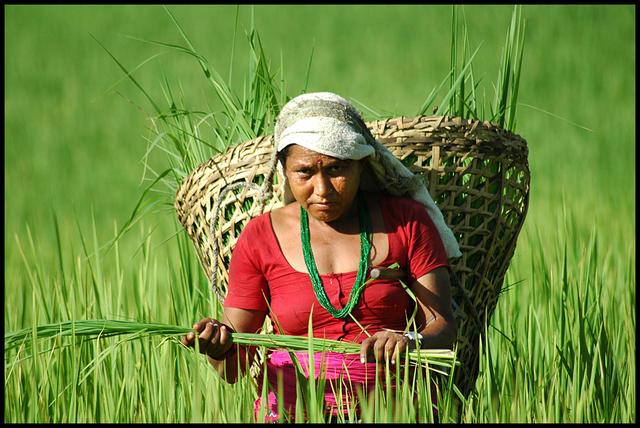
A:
[81, 152]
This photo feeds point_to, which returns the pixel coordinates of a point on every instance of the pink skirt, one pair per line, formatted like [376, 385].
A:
[344, 374]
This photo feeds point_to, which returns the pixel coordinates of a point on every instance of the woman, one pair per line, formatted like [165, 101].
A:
[350, 205]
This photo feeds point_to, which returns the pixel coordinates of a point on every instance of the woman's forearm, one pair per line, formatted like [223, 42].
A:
[439, 334]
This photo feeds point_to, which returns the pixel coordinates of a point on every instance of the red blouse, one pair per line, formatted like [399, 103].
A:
[259, 273]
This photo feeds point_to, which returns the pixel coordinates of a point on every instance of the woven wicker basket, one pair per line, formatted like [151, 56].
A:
[477, 173]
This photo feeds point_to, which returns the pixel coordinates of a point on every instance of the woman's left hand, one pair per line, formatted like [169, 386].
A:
[384, 345]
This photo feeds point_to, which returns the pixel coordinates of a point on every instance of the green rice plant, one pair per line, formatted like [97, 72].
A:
[461, 99]
[181, 132]
[96, 329]
[509, 76]
[83, 333]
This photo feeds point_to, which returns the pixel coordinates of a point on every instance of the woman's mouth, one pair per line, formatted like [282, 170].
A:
[324, 205]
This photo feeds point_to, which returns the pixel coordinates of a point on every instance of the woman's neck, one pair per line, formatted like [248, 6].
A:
[346, 223]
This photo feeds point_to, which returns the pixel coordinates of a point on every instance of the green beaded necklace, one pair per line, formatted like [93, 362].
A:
[365, 248]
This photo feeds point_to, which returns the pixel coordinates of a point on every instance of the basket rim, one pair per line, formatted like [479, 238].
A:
[442, 123]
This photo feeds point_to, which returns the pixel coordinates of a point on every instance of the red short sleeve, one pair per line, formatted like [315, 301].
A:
[248, 286]
[425, 250]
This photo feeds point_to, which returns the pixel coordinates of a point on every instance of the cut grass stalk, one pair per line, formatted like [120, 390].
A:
[94, 329]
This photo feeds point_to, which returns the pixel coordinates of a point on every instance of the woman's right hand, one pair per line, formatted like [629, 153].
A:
[214, 338]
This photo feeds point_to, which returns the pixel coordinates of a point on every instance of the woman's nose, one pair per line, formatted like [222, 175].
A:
[322, 185]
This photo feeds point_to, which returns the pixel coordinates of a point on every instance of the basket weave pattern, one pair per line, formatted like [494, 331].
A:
[477, 174]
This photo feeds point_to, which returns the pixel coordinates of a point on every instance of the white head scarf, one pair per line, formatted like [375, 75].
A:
[327, 123]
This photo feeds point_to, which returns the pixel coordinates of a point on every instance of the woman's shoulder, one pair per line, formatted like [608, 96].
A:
[256, 230]
[257, 224]
[264, 223]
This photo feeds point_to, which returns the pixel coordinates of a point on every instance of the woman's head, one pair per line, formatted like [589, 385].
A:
[321, 140]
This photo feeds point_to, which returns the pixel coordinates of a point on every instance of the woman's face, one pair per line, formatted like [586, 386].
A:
[325, 186]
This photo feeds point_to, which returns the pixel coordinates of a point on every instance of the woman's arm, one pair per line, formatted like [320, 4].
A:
[214, 340]
[434, 320]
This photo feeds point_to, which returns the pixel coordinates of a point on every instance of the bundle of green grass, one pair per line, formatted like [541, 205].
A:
[102, 329]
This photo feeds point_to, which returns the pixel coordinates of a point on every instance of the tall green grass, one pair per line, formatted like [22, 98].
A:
[553, 355]
[561, 344]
